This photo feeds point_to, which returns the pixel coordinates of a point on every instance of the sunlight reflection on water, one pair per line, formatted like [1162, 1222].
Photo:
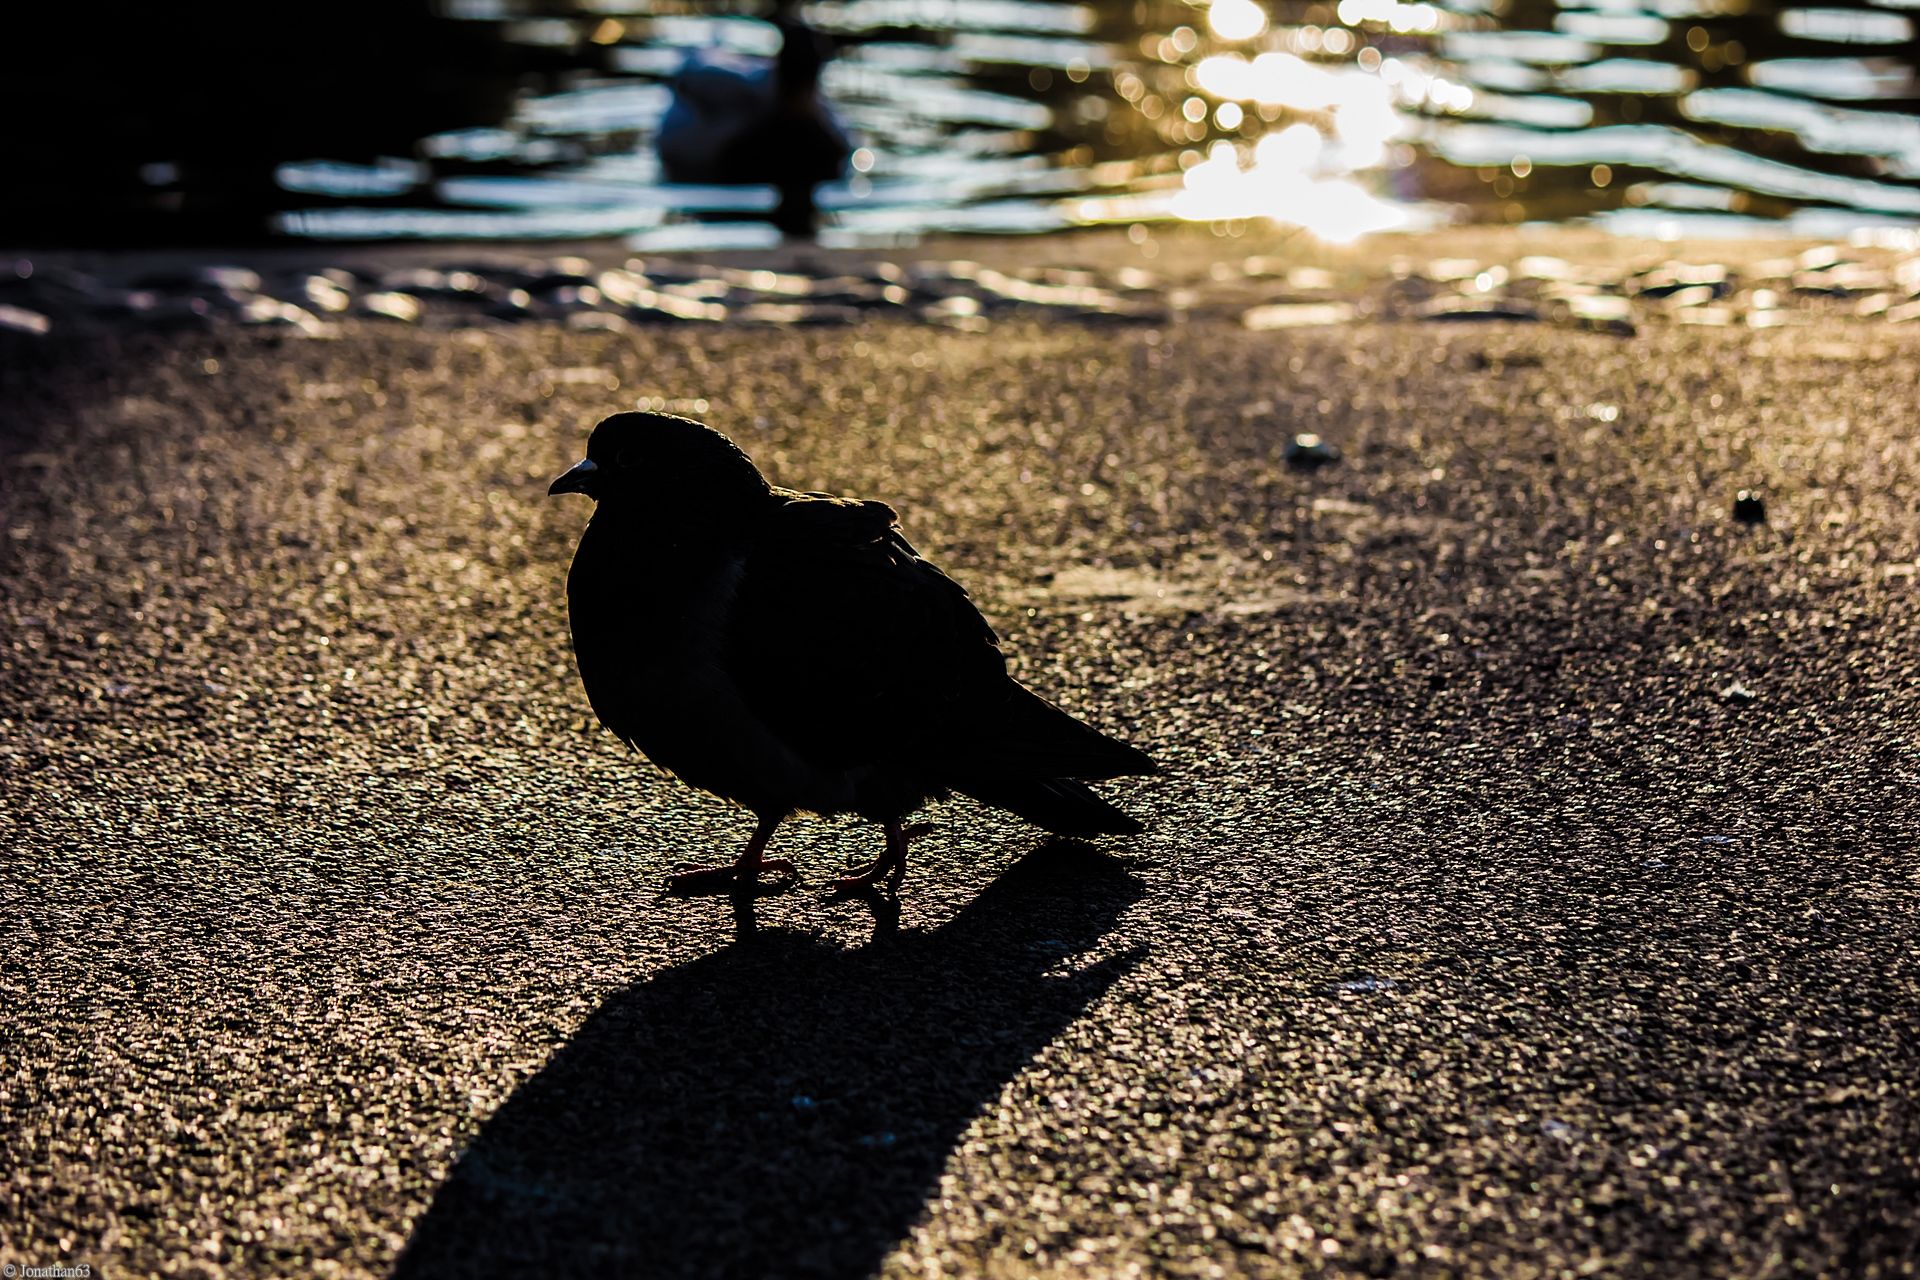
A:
[1030, 115]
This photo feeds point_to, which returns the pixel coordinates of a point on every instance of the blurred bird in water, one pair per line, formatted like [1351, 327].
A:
[736, 119]
[791, 651]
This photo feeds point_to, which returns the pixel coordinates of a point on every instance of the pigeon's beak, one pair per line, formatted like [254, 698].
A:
[577, 479]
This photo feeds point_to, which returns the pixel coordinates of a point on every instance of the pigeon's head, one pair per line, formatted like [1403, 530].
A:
[663, 460]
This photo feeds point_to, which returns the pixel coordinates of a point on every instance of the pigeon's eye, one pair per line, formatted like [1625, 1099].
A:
[624, 458]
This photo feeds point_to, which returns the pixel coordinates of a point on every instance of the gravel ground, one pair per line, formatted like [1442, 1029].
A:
[1531, 890]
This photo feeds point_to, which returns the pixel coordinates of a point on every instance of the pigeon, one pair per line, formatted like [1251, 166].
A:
[791, 651]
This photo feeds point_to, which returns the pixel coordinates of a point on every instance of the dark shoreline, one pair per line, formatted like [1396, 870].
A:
[1574, 279]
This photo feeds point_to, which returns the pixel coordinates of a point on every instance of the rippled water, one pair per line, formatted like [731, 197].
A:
[1032, 115]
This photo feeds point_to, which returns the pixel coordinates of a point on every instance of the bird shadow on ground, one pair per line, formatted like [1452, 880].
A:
[784, 1107]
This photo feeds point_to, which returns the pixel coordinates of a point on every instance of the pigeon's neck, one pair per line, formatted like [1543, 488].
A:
[666, 522]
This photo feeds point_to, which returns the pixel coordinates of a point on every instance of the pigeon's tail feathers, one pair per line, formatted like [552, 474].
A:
[1022, 736]
[1061, 805]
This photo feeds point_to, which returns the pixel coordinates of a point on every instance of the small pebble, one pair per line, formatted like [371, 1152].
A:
[21, 320]
[1601, 312]
[1307, 452]
[208, 279]
[1298, 315]
[556, 280]
[1457, 308]
[572, 298]
[784, 313]
[403, 307]
[851, 291]
[651, 305]
[424, 282]
[271, 311]
[516, 305]
[1672, 277]
[957, 312]
[597, 322]
[322, 294]
[773, 282]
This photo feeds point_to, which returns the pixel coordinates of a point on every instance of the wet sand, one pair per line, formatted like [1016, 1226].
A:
[1531, 889]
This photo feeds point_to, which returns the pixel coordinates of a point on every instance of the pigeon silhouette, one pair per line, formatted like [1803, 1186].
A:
[791, 651]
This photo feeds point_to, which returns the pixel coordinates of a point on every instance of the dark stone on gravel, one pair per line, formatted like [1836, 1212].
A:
[852, 291]
[1460, 309]
[225, 281]
[554, 281]
[1308, 452]
[1671, 277]
[564, 299]
[514, 306]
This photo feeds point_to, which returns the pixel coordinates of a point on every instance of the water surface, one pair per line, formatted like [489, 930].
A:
[1035, 115]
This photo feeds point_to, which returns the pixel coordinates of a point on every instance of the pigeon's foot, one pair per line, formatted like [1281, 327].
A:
[742, 872]
[890, 866]
[726, 875]
[892, 869]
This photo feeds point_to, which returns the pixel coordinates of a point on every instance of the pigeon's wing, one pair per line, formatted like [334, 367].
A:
[847, 643]
[857, 651]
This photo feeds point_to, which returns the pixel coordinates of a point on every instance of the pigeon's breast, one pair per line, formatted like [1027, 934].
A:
[649, 637]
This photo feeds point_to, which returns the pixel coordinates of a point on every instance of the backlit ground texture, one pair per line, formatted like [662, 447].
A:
[1531, 890]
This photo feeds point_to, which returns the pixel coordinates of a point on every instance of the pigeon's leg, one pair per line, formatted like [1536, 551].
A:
[745, 869]
[892, 864]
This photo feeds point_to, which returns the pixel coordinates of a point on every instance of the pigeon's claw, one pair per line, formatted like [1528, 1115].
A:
[727, 873]
[891, 865]
[712, 877]
[867, 877]
[743, 871]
